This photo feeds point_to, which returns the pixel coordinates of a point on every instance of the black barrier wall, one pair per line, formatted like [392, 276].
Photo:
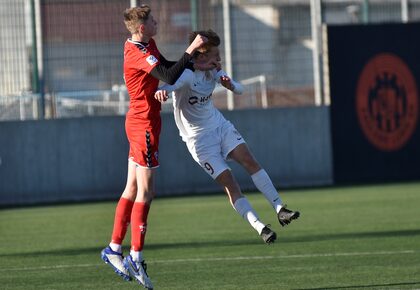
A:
[374, 73]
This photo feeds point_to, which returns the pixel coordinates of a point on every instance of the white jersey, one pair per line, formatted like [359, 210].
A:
[194, 111]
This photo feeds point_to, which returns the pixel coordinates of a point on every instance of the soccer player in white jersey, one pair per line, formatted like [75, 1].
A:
[212, 140]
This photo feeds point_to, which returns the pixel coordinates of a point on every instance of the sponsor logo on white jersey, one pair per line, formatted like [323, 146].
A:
[193, 100]
[151, 60]
[200, 100]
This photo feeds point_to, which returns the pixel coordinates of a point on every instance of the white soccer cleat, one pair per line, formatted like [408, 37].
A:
[138, 271]
[115, 260]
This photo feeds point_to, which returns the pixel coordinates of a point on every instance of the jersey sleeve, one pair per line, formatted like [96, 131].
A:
[171, 74]
[143, 59]
[237, 87]
[166, 63]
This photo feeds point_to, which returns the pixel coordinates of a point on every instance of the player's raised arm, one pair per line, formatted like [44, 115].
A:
[169, 72]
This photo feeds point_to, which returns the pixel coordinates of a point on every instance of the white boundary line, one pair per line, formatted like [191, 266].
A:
[210, 259]
[215, 259]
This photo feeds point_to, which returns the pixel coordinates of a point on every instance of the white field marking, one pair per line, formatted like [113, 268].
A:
[209, 259]
[215, 259]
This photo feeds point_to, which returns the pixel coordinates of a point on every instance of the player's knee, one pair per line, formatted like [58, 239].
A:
[250, 164]
[130, 189]
[145, 195]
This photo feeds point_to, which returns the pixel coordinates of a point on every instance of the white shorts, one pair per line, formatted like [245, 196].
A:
[210, 149]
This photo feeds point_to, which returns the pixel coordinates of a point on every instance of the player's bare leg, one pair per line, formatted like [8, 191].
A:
[134, 262]
[130, 190]
[243, 207]
[262, 181]
[112, 254]
[244, 157]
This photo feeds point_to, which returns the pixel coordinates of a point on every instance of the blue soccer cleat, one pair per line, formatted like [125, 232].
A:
[137, 270]
[115, 260]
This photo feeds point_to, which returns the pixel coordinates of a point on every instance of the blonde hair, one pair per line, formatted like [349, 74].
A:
[135, 16]
[213, 40]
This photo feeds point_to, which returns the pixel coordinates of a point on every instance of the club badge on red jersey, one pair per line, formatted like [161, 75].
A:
[151, 60]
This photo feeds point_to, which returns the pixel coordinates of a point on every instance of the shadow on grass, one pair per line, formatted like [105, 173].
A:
[380, 286]
[226, 243]
[154, 246]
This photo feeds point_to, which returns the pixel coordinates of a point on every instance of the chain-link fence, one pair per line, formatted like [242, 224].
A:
[63, 58]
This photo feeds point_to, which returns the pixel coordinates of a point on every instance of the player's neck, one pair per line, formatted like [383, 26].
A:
[140, 37]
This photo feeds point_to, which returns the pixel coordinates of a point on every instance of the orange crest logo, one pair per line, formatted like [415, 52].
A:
[387, 102]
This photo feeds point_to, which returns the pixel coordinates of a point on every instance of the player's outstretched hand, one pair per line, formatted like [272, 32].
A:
[225, 81]
[161, 96]
[198, 41]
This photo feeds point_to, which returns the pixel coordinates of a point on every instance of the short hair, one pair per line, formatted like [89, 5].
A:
[213, 40]
[135, 16]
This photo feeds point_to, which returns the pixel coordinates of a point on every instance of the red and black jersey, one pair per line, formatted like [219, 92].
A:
[144, 66]
[139, 60]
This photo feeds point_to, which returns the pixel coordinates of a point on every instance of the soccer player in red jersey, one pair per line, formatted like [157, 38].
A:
[144, 66]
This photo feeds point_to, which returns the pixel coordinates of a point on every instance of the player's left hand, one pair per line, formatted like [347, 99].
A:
[161, 96]
[226, 82]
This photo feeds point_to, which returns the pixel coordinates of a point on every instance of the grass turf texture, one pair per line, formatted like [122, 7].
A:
[364, 237]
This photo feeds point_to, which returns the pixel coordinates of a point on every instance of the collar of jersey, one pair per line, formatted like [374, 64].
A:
[137, 42]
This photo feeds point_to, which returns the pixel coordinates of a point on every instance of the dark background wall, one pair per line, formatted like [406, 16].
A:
[375, 108]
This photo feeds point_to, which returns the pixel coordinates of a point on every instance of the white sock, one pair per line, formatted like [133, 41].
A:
[263, 182]
[244, 208]
[137, 256]
[115, 247]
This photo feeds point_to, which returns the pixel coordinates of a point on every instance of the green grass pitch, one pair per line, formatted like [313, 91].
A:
[359, 237]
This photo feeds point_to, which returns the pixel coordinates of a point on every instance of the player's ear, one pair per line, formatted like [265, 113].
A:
[141, 28]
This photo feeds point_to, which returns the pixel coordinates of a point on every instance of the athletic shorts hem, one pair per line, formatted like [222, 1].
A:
[142, 166]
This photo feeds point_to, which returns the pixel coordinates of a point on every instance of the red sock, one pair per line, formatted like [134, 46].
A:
[139, 225]
[121, 220]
